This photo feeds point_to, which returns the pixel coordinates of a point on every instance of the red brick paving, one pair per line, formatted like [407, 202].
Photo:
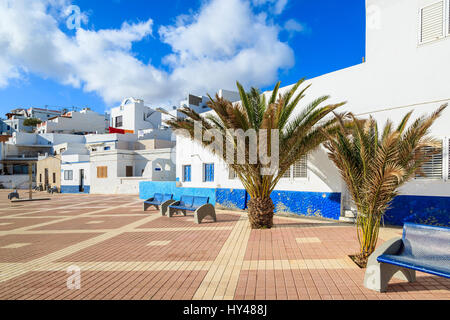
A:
[16, 223]
[226, 220]
[40, 245]
[84, 223]
[200, 245]
[337, 241]
[280, 243]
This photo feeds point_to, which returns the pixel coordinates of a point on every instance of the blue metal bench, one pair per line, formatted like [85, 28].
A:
[199, 205]
[422, 248]
[13, 195]
[160, 201]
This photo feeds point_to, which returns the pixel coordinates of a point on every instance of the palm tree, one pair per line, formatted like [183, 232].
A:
[298, 134]
[375, 164]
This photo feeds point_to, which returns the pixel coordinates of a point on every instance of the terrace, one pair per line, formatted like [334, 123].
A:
[124, 253]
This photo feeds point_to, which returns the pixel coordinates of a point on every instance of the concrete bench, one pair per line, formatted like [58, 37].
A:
[160, 201]
[422, 248]
[199, 205]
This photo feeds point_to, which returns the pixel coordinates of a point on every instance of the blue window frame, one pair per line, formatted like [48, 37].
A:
[187, 173]
[209, 172]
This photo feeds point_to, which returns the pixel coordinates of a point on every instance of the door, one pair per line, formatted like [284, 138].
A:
[129, 171]
[81, 180]
[47, 185]
[348, 206]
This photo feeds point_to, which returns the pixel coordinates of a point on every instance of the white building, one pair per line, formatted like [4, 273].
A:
[85, 121]
[16, 117]
[132, 115]
[199, 103]
[406, 68]
[75, 169]
[115, 163]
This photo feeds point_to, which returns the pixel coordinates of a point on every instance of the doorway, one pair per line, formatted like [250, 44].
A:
[81, 180]
[46, 182]
[129, 171]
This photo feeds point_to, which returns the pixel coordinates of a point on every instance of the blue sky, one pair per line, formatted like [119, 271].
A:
[160, 50]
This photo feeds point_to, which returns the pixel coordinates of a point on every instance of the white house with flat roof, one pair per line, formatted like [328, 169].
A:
[16, 118]
[199, 103]
[406, 68]
[83, 122]
[115, 163]
[132, 115]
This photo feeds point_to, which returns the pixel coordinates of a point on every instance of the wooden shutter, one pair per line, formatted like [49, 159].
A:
[432, 22]
[102, 172]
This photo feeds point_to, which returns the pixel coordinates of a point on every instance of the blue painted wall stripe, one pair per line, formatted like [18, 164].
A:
[416, 209]
[74, 189]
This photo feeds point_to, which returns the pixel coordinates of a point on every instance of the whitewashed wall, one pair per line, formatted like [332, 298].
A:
[399, 75]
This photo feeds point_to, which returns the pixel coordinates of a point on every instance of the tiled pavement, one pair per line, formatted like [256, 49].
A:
[124, 253]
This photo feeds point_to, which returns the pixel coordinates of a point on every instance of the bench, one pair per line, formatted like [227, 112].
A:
[422, 248]
[52, 190]
[199, 205]
[13, 195]
[160, 201]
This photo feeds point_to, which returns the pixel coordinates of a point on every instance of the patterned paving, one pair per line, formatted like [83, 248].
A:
[122, 252]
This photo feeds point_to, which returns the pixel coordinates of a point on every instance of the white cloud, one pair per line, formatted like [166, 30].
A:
[276, 6]
[292, 26]
[223, 42]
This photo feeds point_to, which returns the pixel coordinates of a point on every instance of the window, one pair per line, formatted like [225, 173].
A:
[119, 121]
[208, 172]
[107, 148]
[102, 172]
[300, 168]
[287, 174]
[232, 174]
[433, 169]
[448, 155]
[187, 173]
[54, 177]
[68, 175]
[432, 22]
[40, 177]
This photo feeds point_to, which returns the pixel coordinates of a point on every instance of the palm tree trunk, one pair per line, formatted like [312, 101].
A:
[260, 212]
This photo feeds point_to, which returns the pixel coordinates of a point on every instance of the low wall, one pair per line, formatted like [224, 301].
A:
[433, 211]
[74, 189]
[326, 205]
[415, 209]
[147, 189]
[19, 181]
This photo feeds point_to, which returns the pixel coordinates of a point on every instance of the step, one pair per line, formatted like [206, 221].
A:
[350, 214]
[347, 219]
